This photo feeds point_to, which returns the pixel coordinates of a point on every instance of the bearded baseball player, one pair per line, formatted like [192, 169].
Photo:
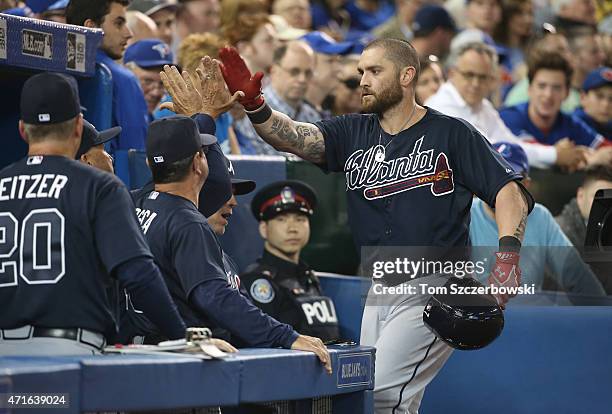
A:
[411, 173]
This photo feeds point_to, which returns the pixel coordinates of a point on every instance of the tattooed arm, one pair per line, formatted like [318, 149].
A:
[299, 138]
[511, 210]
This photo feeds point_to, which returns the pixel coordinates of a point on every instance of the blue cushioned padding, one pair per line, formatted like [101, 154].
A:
[296, 375]
[547, 360]
[42, 375]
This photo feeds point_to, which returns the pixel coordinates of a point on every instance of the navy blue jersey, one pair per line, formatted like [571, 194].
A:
[421, 193]
[184, 246]
[64, 227]
[189, 256]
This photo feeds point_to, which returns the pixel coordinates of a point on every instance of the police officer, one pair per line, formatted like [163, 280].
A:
[280, 283]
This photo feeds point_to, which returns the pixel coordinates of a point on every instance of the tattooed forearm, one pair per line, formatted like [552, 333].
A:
[519, 231]
[304, 140]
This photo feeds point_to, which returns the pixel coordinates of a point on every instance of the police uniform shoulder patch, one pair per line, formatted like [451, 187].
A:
[262, 291]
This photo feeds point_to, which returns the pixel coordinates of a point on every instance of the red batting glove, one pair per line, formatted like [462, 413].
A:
[238, 78]
[506, 273]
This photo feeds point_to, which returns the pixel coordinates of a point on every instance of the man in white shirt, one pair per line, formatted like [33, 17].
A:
[472, 69]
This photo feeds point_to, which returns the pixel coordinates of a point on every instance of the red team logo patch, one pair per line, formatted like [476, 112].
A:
[385, 178]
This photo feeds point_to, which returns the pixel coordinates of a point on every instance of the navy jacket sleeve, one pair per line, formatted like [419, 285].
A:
[232, 311]
[197, 256]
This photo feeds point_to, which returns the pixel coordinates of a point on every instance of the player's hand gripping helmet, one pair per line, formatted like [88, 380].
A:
[464, 321]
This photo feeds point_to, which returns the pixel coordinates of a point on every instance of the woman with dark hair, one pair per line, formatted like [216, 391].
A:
[430, 78]
[515, 30]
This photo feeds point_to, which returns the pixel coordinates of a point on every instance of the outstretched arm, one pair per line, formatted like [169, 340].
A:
[300, 138]
[277, 129]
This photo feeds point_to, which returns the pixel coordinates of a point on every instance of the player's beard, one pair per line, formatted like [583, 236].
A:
[384, 100]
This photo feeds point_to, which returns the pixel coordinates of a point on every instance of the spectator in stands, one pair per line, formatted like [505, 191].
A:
[295, 12]
[234, 11]
[196, 16]
[146, 58]
[400, 25]
[163, 13]
[433, 29]
[483, 15]
[365, 15]
[191, 51]
[515, 30]
[347, 95]
[546, 250]
[596, 100]
[56, 12]
[430, 78]
[587, 52]
[541, 120]
[327, 58]
[290, 76]
[280, 283]
[472, 69]
[141, 26]
[575, 215]
[549, 41]
[129, 106]
[254, 38]
[91, 151]
[330, 17]
[8, 4]
[572, 13]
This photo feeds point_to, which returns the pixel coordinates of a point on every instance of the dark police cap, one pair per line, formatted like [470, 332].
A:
[283, 196]
[92, 137]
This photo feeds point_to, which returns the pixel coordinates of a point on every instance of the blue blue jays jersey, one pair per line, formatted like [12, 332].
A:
[420, 193]
[64, 227]
[566, 126]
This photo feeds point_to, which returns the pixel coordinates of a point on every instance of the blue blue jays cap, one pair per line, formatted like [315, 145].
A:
[323, 43]
[149, 53]
[514, 155]
[283, 196]
[430, 17]
[598, 78]
[39, 6]
[173, 139]
[19, 11]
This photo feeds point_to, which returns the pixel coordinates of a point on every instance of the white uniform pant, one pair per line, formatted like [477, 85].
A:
[394, 325]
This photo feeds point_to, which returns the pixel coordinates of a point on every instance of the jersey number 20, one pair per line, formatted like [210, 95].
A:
[41, 257]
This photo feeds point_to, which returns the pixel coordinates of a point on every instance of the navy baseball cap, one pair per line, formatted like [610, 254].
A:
[514, 155]
[323, 43]
[150, 7]
[283, 196]
[49, 98]
[240, 186]
[92, 137]
[430, 17]
[217, 188]
[149, 53]
[174, 138]
[598, 78]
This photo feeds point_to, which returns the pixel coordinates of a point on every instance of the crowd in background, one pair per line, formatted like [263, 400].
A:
[536, 73]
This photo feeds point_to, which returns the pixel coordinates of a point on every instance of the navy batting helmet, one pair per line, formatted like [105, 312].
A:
[464, 321]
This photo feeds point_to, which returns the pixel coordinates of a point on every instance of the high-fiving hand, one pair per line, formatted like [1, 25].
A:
[207, 94]
[238, 78]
